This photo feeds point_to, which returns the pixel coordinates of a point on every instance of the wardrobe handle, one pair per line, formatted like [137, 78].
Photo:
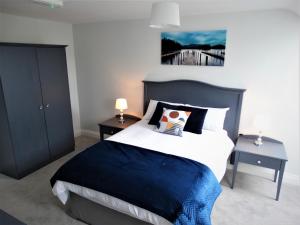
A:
[41, 107]
[47, 106]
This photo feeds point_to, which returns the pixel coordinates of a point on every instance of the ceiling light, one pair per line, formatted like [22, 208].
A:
[165, 15]
[50, 3]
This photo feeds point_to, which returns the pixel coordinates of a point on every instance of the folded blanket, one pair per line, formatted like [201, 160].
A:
[181, 190]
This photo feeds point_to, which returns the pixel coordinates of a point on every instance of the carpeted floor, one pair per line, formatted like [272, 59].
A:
[251, 202]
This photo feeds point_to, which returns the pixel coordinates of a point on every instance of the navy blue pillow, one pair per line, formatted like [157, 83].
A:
[194, 123]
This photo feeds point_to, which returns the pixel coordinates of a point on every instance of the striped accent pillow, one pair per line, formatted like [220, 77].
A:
[173, 121]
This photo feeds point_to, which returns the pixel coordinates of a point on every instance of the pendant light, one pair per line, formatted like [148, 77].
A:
[165, 15]
[50, 3]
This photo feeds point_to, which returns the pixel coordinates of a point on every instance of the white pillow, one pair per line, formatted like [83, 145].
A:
[150, 110]
[152, 106]
[214, 119]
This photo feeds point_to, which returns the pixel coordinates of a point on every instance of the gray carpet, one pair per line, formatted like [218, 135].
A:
[251, 202]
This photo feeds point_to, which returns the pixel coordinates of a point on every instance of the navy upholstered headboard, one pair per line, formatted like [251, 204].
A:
[200, 94]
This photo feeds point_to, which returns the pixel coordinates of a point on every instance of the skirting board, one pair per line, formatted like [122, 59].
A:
[77, 133]
[288, 178]
[90, 133]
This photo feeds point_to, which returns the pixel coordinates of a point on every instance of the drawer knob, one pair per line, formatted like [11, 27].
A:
[258, 162]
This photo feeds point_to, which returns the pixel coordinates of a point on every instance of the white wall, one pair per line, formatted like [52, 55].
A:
[262, 56]
[29, 30]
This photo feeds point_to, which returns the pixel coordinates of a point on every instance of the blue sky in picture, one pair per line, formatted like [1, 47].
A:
[214, 37]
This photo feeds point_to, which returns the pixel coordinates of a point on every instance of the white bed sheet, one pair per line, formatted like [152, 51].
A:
[210, 148]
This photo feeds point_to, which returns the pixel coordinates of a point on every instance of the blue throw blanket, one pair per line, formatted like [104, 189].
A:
[181, 190]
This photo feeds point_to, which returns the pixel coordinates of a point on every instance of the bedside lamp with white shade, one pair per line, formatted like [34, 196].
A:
[121, 104]
[261, 122]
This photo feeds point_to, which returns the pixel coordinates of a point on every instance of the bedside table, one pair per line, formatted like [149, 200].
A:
[113, 126]
[271, 154]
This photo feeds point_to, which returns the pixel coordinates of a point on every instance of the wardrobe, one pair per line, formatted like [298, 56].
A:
[35, 111]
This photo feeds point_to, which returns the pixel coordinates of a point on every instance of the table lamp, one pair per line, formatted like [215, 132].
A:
[260, 123]
[121, 104]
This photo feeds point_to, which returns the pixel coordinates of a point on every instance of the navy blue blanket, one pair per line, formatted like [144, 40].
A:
[182, 191]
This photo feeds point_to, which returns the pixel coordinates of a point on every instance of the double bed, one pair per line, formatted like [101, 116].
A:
[210, 149]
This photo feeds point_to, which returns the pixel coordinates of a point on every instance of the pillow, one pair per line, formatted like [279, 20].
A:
[214, 119]
[173, 121]
[152, 106]
[159, 111]
[150, 109]
[194, 123]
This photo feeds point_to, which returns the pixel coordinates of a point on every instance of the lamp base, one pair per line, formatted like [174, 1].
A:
[121, 120]
[258, 141]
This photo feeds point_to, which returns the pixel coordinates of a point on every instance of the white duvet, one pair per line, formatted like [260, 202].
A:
[209, 148]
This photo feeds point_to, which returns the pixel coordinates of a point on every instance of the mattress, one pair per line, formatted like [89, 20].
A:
[209, 148]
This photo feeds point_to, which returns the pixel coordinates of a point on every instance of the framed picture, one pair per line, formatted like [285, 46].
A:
[199, 48]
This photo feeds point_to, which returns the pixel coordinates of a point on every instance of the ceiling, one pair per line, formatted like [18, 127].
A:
[85, 11]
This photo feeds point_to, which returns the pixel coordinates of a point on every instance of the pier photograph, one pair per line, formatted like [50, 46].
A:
[200, 48]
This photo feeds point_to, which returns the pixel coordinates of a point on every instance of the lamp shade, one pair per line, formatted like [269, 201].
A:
[121, 104]
[165, 15]
[261, 122]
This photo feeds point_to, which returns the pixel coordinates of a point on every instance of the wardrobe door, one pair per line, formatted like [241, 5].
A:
[23, 99]
[7, 160]
[56, 98]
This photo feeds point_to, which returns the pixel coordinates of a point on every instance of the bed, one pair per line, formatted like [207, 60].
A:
[95, 207]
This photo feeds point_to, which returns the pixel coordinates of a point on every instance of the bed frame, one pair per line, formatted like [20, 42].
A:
[182, 91]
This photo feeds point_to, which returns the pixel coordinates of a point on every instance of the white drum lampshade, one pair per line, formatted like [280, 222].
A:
[165, 15]
[261, 122]
[121, 104]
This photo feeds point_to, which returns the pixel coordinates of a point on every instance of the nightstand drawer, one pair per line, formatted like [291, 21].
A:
[110, 130]
[259, 160]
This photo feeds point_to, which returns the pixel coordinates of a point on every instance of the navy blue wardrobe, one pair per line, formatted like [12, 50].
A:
[35, 111]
